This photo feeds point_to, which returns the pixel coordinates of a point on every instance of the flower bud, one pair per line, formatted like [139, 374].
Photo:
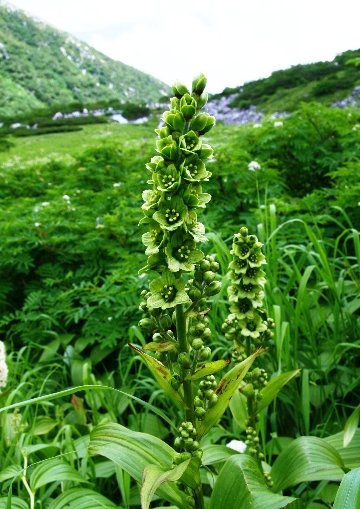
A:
[198, 402]
[199, 84]
[179, 90]
[197, 344]
[165, 322]
[205, 353]
[146, 323]
[194, 294]
[209, 276]
[174, 120]
[188, 106]
[205, 265]
[200, 412]
[184, 360]
[206, 332]
[213, 288]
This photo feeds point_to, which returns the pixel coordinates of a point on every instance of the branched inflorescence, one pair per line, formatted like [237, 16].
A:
[247, 324]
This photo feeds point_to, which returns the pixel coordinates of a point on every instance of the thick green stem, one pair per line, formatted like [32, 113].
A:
[184, 347]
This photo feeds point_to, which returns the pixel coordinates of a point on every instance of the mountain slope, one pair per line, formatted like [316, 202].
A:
[41, 66]
[284, 90]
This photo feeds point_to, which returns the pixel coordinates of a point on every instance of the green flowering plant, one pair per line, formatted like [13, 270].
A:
[176, 303]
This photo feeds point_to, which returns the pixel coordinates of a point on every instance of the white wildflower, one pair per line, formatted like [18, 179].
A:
[237, 445]
[255, 126]
[66, 197]
[45, 203]
[278, 123]
[116, 184]
[3, 366]
[37, 225]
[253, 166]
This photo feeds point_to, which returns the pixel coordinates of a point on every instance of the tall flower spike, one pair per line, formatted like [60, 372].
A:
[177, 173]
[247, 324]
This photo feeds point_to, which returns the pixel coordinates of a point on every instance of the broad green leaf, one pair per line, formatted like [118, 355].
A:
[306, 459]
[134, 451]
[226, 388]
[208, 369]
[160, 373]
[213, 454]
[350, 454]
[348, 495]
[10, 472]
[43, 425]
[81, 498]
[16, 503]
[274, 386]
[241, 485]
[154, 476]
[53, 470]
[351, 426]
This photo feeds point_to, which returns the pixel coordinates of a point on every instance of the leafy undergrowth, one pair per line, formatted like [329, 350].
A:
[70, 251]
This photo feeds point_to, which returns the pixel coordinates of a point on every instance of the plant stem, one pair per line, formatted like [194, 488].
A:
[184, 347]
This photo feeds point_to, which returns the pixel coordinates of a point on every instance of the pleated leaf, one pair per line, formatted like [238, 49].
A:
[241, 485]
[306, 459]
[274, 386]
[81, 498]
[134, 451]
[16, 503]
[154, 476]
[348, 495]
[226, 388]
[350, 454]
[53, 470]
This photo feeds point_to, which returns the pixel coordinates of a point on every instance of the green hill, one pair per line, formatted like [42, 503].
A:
[41, 66]
[284, 90]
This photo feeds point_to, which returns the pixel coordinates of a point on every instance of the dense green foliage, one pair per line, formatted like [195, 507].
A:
[284, 90]
[70, 251]
[40, 66]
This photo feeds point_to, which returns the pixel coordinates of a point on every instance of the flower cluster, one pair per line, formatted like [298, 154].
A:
[247, 324]
[170, 206]
[3, 366]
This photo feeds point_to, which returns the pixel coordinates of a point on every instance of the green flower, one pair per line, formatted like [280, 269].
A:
[202, 123]
[181, 253]
[197, 231]
[155, 163]
[199, 199]
[252, 326]
[151, 199]
[194, 169]
[190, 142]
[167, 292]
[256, 258]
[174, 119]
[153, 238]
[167, 147]
[238, 266]
[241, 307]
[167, 178]
[171, 214]
[254, 275]
[206, 151]
[188, 106]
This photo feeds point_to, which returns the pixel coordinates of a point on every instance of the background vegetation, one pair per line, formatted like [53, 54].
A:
[70, 249]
